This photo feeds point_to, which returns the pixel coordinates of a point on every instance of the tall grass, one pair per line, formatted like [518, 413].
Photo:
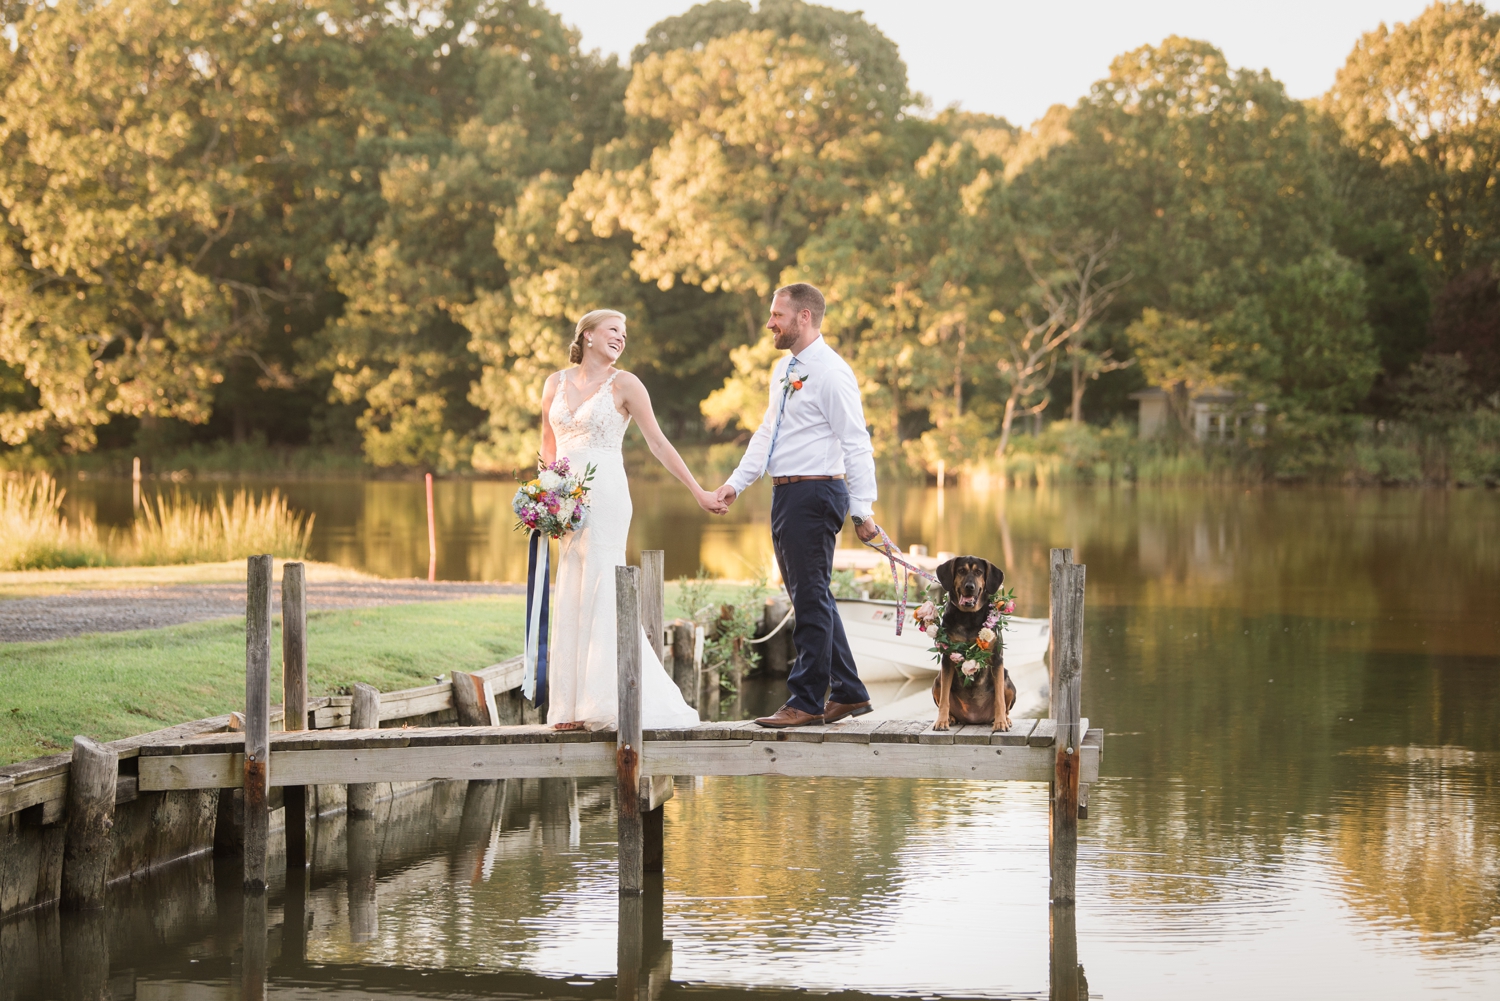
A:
[181, 529]
[34, 533]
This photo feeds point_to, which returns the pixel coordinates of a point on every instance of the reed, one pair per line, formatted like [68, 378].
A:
[180, 529]
[35, 535]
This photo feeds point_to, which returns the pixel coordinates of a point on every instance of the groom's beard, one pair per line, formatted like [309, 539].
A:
[784, 339]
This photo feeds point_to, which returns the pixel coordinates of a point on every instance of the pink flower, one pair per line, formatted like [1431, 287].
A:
[1010, 606]
[970, 666]
[932, 631]
[955, 657]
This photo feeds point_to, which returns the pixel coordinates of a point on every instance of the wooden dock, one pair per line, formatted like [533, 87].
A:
[337, 740]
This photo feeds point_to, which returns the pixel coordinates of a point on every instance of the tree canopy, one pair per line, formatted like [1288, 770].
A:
[358, 224]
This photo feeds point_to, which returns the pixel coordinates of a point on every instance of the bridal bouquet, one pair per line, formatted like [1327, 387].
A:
[556, 502]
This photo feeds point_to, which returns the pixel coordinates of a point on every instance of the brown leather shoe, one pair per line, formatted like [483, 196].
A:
[787, 716]
[835, 711]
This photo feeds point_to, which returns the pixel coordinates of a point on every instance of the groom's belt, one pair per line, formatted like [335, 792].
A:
[781, 481]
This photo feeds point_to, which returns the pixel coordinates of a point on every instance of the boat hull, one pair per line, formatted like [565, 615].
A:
[883, 656]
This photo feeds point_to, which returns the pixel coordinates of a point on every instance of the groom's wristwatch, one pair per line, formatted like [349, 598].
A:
[857, 519]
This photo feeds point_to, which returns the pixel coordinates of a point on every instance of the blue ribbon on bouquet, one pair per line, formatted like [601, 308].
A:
[538, 592]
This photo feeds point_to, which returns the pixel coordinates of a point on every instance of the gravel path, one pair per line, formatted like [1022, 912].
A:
[114, 610]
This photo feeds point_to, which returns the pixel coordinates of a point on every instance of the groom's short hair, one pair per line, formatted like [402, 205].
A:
[804, 296]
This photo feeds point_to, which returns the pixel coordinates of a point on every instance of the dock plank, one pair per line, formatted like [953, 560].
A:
[1017, 736]
[1044, 734]
[898, 731]
[939, 737]
[851, 731]
[972, 733]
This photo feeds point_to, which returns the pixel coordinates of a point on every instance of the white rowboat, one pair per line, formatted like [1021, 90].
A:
[881, 655]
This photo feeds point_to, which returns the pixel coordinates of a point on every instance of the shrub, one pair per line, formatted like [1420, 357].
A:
[34, 535]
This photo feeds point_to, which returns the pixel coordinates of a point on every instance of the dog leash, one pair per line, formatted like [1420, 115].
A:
[889, 549]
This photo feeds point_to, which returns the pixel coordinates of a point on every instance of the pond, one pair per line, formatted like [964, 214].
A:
[1300, 793]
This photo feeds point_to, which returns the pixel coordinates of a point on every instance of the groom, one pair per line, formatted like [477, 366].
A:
[814, 445]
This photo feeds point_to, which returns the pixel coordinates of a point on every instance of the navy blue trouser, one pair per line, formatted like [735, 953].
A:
[805, 521]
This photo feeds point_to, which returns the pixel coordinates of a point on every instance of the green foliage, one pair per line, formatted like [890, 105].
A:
[369, 227]
[1418, 106]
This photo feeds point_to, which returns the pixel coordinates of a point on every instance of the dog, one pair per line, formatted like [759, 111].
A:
[969, 582]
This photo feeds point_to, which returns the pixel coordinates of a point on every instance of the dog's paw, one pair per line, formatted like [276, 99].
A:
[1002, 724]
[939, 725]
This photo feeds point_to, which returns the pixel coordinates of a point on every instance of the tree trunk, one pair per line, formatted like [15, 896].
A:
[1005, 422]
[1080, 383]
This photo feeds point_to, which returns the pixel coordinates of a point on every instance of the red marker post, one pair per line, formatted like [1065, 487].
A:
[431, 536]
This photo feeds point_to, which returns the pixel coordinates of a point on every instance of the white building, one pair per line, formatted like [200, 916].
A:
[1214, 417]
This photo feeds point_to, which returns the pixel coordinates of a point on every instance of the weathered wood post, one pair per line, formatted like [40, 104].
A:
[364, 714]
[628, 746]
[1068, 982]
[294, 698]
[684, 666]
[630, 948]
[257, 722]
[654, 599]
[1067, 663]
[363, 856]
[85, 956]
[1057, 558]
[473, 700]
[254, 958]
[87, 845]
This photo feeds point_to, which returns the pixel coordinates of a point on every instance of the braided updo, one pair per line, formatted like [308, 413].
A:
[588, 321]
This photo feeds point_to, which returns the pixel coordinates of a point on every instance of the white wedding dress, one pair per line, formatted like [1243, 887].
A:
[582, 674]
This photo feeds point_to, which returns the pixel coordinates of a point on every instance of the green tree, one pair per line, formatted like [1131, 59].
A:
[1218, 188]
[1419, 102]
[521, 101]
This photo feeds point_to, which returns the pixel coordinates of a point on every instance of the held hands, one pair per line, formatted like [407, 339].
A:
[726, 495]
[711, 502]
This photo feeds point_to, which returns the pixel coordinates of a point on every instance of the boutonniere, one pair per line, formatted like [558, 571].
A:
[793, 381]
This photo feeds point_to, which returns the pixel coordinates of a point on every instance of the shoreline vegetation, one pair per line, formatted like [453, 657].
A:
[1460, 451]
[168, 529]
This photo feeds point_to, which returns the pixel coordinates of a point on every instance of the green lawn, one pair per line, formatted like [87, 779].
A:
[112, 685]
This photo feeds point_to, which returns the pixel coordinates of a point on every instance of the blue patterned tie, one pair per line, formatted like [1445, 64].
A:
[786, 392]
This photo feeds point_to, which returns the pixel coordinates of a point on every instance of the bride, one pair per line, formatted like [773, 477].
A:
[585, 411]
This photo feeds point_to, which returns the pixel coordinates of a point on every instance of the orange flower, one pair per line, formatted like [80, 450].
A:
[797, 384]
[983, 645]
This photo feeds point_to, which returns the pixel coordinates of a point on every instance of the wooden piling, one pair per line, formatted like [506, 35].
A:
[684, 666]
[628, 726]
[87, 844]
[255, 956]
[362, 860]
[1057, 558]
[364, 714]
[1068, 982]
[473, 700]
[1067, 662]
[654, 598]
[294, 697]
[84, 952]
[257, 779]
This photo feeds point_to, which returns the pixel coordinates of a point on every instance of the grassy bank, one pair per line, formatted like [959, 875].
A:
[116, 685]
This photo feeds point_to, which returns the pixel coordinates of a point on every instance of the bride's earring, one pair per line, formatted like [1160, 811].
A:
[588, 343]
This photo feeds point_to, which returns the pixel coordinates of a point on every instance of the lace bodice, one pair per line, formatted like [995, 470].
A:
[596, 424]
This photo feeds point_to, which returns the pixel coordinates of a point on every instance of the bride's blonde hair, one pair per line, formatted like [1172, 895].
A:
[588, 321]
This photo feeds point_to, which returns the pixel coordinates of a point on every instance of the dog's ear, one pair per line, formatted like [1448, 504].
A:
[945, 574]
[994, 578]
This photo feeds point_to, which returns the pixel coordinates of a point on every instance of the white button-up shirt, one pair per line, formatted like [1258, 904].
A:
[822, 431]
